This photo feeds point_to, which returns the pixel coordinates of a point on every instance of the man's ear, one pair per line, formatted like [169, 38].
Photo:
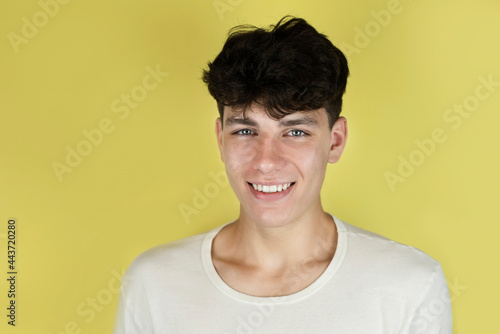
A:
[338, 138]
[218, 133]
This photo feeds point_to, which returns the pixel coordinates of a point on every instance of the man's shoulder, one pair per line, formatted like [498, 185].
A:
[381, 254]
[173, 256]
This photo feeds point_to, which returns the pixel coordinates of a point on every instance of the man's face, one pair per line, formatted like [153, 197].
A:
[276, 167]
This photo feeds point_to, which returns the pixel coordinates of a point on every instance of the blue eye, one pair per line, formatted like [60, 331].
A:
[244, 132]
[297, 133]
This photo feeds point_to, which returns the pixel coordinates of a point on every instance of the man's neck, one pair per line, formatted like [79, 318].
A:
[274, 261]
[309, 240]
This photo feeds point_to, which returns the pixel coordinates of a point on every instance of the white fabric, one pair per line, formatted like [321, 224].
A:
[372, 285]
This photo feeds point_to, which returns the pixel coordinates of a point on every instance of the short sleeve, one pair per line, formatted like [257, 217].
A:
[433, 316]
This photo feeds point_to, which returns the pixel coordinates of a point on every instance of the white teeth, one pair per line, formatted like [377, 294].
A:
[270, 189]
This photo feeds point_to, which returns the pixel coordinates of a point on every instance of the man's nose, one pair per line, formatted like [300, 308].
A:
[268, 155]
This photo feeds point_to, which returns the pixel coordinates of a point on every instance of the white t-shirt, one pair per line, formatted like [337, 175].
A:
[372, 285]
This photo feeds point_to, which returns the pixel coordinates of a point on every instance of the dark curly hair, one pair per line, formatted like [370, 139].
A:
[287, 69]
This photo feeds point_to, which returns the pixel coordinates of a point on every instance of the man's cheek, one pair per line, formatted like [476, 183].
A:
[236, 157]
[234, 174]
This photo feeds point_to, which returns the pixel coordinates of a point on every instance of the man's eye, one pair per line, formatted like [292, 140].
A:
[297, 133]
[244, 132]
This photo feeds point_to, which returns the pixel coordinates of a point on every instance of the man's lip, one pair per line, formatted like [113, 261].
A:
[273, 183]
[270, 196]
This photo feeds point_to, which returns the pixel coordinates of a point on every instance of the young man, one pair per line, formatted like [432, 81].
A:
[284, 265]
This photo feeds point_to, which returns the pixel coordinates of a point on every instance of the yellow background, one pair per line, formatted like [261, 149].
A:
[76, 235]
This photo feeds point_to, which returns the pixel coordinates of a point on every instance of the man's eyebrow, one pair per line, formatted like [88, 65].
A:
[303, 120]
[240, 121]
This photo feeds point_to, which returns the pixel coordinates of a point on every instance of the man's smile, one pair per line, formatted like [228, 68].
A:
[270, 192]
[271, 188]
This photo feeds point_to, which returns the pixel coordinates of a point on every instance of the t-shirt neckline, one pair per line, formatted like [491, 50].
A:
[327, 274]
